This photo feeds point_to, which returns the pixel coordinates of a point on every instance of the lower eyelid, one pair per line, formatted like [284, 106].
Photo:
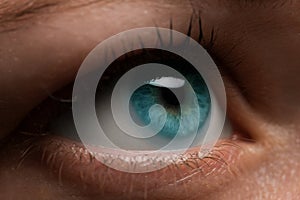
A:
[73, 165]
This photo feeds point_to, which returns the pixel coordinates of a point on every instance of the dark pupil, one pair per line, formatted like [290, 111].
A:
[168, 97]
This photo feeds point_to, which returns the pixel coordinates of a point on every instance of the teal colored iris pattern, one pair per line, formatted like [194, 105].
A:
[148, 95]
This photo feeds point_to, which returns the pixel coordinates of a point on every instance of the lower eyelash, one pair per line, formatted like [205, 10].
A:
[185, 164]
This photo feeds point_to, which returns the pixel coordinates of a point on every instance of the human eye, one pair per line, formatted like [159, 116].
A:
[50, 157]
[155, 74]
[74, 152]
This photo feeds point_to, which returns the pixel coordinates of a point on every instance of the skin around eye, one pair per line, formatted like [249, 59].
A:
[259, 89]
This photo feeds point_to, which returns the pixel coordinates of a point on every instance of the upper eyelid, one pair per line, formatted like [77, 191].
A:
[66, 61]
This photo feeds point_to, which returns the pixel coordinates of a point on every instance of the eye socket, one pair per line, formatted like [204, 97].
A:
[111, 76]
[77, 159]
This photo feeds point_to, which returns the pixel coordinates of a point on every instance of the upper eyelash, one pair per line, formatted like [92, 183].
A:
[201, 39]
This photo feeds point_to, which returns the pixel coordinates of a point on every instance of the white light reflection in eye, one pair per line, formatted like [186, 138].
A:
[167, 82]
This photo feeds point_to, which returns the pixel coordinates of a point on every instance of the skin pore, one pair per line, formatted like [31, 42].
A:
[256, 47]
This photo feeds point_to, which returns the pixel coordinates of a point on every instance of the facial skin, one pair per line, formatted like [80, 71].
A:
[256, 47]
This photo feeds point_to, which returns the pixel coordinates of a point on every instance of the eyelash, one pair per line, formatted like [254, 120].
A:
[201, 39]
[193, 162]
[190, 163]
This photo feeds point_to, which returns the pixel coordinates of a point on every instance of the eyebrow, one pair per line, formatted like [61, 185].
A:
[20, 10]
[13, 9]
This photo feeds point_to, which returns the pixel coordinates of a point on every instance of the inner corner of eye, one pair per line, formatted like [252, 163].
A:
[167, 82]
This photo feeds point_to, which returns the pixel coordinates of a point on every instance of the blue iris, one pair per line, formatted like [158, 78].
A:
[148, 95]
